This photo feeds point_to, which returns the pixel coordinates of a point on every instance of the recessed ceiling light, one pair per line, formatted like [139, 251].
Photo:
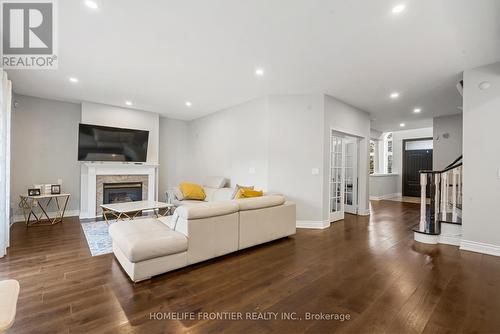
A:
[91, 4]
[394, 95]
[129, 103]
[73, 80]
[417, 110]
[398, 9]
[188, 104]
[259, 72]
[402, 125]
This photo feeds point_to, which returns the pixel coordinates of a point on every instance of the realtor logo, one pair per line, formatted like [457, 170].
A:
[29, 34]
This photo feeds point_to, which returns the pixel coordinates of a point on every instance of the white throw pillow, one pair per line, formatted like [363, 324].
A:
[178, 194]
[238, 187]
[216, 182]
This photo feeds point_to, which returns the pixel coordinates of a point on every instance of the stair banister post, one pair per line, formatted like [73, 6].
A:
[423, 200]
[437, 182]
[444, 195]
[454, 213]
[460, 176]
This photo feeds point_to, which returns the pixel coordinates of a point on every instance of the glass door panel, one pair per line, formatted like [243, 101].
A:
[336, 178]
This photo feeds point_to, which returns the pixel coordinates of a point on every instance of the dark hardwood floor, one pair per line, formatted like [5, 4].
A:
[367, 267]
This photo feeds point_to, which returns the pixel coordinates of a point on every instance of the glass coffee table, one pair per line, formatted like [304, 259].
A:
[131, 210]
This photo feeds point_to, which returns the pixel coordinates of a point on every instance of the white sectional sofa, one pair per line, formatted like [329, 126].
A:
[198, 232]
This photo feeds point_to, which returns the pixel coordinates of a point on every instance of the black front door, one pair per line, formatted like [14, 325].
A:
[413, 162]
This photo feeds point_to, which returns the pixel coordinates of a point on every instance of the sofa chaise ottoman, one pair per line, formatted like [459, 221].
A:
[194, 233]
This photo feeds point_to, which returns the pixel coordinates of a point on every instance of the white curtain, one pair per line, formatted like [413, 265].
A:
[5, 110]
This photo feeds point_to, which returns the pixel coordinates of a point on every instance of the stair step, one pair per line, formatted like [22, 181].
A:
[449, 219]
[428, 230]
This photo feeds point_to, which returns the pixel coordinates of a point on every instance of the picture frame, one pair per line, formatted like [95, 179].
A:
[55, 189]
[34, 192]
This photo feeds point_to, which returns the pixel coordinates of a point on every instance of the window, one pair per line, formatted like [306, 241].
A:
[373, 150]
[388, 150]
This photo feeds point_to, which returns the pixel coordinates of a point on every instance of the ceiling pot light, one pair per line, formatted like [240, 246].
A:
[188, 104]
[259, 72]
[402, 125]
[398, 9]
[484, 85]
[73, 80]
[129, 103]
[417, 110]
[394, 95]
[91, 4]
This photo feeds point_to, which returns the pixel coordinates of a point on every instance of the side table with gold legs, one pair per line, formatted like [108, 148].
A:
[36, 208]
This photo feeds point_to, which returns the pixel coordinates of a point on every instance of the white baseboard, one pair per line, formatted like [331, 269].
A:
[480, 247]
[454, 240]
[68, 213]
[364, 213]
[387, 196]
[313, 224]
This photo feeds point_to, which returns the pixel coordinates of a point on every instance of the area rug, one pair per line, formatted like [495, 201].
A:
[98, 237]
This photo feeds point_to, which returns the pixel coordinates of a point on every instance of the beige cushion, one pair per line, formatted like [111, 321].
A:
[9, 291]
[215, 182]
[145, 239]
[206, 210]
[259, 202]
[186, 201]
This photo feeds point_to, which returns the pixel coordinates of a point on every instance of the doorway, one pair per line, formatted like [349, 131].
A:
[343, 175]
[417, 156]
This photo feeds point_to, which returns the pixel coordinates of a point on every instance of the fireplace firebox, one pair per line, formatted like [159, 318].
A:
[122, 192]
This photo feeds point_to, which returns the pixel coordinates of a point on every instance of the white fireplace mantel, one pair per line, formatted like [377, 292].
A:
[88, 177]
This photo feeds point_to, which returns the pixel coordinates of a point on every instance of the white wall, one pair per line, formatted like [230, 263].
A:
[446, 150]
[295, 148]
[231, 142]
[174, 154]
[383, 186]
[100, 114]
[347, 119]
[481, 150]
[282, 138]
[397, 155]
[44, 147]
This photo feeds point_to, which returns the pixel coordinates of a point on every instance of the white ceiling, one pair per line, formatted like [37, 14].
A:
[160, 54]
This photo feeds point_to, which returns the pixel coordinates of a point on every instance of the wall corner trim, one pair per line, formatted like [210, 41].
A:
[480, 247]
[313, 224]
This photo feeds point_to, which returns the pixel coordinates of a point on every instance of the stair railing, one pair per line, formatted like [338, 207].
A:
[444, 205]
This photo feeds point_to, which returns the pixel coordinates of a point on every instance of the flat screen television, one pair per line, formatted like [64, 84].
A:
[103, 143]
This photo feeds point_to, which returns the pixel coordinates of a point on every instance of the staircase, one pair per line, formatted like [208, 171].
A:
[441, 217]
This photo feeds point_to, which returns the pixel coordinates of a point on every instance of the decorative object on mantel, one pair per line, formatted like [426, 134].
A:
[55, 189]
[29, 204]
[34, 192]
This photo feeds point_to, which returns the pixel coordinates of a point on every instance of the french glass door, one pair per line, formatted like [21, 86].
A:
[337, 177]
[343, 175]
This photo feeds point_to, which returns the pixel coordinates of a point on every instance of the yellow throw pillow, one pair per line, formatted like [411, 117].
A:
[248, 193]
[192, 191]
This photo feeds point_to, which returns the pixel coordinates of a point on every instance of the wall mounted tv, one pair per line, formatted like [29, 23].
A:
[103, 143]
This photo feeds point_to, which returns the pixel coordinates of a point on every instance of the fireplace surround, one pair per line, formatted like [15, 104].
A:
[95, 175]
